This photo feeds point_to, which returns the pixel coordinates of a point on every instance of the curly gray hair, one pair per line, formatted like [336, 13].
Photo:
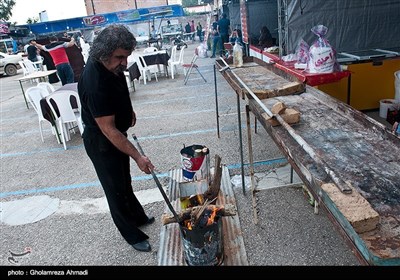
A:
[114, 36]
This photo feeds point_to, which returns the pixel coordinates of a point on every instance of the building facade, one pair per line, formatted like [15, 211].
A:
[94, 7]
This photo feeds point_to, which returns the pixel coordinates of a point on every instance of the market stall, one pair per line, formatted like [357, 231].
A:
[338, 152]
[357, 30]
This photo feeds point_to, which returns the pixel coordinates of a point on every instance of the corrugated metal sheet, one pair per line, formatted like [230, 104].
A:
[170, 249]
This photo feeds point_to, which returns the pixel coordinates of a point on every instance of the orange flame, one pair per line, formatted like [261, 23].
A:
[212, 216]
[210, 220]
[188, 224]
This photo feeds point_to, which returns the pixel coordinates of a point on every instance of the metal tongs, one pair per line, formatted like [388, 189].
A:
[157, 182]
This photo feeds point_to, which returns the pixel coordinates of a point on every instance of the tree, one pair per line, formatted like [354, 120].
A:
[6, 7]
[32, 20]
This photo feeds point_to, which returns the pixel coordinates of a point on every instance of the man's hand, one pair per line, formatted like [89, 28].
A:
[144, 164]
[71, 42]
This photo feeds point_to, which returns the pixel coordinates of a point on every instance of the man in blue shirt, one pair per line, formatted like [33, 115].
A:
[224, 28]
[216, 38]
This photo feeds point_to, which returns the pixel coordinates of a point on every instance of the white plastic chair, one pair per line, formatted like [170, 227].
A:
[30, 66]
[85, 49]
[145, 70]
[150, 50]
[60, 101]
[25, 69]
[129, 82]
[34, 95]
[174, 60]
[47, 86]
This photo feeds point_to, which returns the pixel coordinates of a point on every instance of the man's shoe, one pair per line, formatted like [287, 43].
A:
[143, 246]
[213, 56]
[148, 222]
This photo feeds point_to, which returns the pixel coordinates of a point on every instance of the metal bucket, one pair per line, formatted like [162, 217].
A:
[203, 246]
[195, 163]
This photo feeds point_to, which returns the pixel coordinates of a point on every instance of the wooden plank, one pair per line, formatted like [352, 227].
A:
[262, 78]
[265, 83]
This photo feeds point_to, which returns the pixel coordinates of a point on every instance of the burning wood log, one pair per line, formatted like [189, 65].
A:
[196, 214]
[226, 210]
[212, 192]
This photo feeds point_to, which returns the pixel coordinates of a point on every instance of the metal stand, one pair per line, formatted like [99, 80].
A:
[239, 126]
[253, 198]
[216, 100]
[23, 93]
[240, 142]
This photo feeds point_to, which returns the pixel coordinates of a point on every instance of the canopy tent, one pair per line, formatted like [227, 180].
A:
[99, 20]
[353, 24]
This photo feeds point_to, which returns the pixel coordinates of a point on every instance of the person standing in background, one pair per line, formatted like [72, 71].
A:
[192, 29]
[107, 114]
[187, 28]
[265, 40]
[224, 28]
[153, 32]
[60, 58]
[199, 30]
[216, 38]
[32, 51]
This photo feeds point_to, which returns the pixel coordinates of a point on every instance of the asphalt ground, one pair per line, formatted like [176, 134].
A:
[70, 223]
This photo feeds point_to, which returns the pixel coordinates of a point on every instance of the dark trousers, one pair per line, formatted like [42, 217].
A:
[224, 38]
[113, 170]
[65, 73]
[216, 41]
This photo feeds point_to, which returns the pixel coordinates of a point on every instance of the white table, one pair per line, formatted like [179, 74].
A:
[151, 58]
[41, 75]
[160, 52]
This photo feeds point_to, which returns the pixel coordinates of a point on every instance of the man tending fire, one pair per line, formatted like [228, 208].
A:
[200, 223]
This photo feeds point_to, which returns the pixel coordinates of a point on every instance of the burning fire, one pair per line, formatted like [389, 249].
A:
[188, 224]
[207, 218]
[210, 220]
